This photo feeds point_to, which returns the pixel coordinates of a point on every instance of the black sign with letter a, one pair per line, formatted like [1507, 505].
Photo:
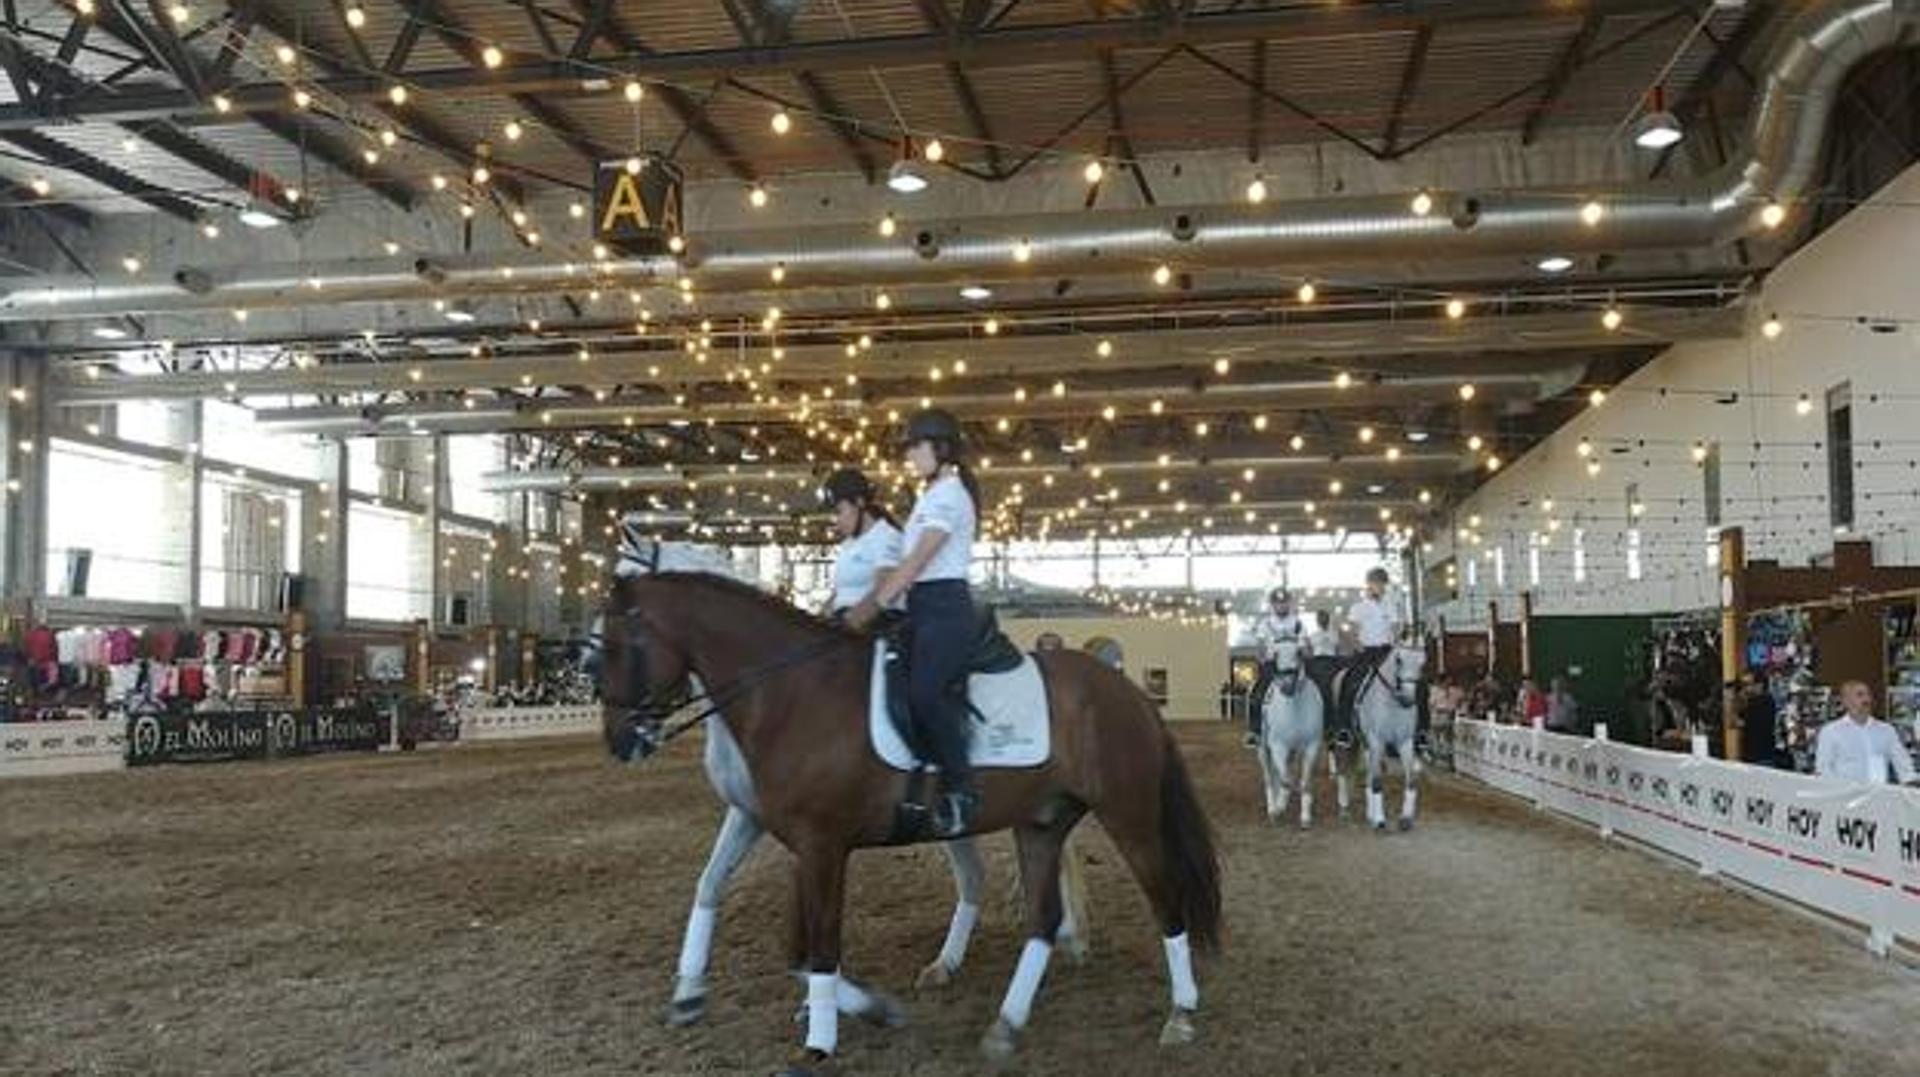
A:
[636, 204]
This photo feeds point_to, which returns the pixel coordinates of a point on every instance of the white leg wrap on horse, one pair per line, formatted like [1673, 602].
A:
[1376, 805]
[1026, 982]
[953, 952]
[698, 943]
[1186, 993]
[1409, 801]
[823, 1013]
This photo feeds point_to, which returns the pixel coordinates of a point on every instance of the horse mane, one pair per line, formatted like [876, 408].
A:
[787, 611]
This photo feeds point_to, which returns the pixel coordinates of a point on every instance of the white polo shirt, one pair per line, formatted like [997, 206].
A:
[1860, 752]
[860, 560]
[1373, 621]
[945, 506]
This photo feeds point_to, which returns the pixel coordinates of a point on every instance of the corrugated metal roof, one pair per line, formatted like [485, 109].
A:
[1349, 81]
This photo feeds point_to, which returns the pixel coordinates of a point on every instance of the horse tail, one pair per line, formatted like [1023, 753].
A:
[1191, 863]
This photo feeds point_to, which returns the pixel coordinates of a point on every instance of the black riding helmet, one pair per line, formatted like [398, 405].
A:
[847, 484]
[933, 424]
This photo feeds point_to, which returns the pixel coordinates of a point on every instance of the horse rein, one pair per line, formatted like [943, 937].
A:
[717, 700]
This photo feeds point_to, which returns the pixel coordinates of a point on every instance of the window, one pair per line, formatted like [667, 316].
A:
[113, 525]
[389, 555]
[228, 432]
[1533, 558]
[1840, 455]
[1499, 566]
[249, 539]
[469, 457]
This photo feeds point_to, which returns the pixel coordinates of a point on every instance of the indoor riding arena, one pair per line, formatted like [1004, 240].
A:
[937, 537]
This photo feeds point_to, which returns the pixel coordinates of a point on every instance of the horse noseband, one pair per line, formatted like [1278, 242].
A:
[633, 740]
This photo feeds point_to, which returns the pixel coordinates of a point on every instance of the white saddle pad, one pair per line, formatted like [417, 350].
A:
[1016, 732]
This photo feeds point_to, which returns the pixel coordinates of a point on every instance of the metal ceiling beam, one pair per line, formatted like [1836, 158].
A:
[939, 19]
[691, 114]
[21, 199]
[1359, 346]
[1725, 59]
[1117, 133]
[989, 49]
[1561, 75]
[58, 155]
[1410, 75]
[1257, 101]
[758, 26]
[423, 128]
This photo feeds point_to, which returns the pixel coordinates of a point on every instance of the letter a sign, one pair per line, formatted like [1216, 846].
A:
[635, 211]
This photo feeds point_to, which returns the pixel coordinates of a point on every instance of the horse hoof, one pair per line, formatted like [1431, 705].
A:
[1074, 947]
[934, 977]
[1406, 824]
[884, 1011]
[809, 1063]
[1380, 827]
[686, 1011]
[1000, 1041]
[1179, 1029]
[1306, 824]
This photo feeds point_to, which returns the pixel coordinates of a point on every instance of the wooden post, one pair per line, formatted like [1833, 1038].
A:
[1526, 633]
[490, 677]
[529, 657]
[1733, 634]
[1493, 637]
[1440, 654]
[297, 656]
[422, 655]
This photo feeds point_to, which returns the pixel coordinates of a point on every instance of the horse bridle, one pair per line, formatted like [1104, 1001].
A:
[645, 728]
[1405, 690]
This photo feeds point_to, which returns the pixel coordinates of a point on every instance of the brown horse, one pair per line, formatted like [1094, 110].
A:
[793, 691]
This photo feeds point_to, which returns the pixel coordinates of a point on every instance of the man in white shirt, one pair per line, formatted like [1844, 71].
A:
[1374, 625]
[1859, 747]
[1279, 622]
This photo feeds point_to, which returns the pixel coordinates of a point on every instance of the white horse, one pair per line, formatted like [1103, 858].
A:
[1294, 723]
[741, 830]
[1389, 718]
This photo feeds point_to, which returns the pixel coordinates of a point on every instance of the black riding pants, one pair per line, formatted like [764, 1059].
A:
[944, 629]
[1359, 670]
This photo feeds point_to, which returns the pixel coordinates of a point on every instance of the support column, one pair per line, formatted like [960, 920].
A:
[324, 553]
[298, 643]
[438, 584]
[1526, 634]
[1493, 637]
[1733, 634]
[23, 533]
[196, 462]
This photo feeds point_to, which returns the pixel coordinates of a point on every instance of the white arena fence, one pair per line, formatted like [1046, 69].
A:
[1851, 851]
[73, 747]
[513, 723]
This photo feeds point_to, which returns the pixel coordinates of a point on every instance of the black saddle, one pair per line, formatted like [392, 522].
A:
[992, 652]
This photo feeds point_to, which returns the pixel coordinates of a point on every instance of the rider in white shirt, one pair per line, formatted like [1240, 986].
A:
[1278, 622]
[932, 574]
[869, 541]
[1375, 625]
[1859, 747]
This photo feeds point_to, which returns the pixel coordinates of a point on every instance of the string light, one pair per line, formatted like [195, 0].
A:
[1094, 172]
[356, 16]
[1612, 319]
[1023, 250]
[778, 272]
[1597, 397]
[221, 102]
[1456, 309]
[492, 56]
[513, 130]
[1592, 214]
[757, 196]
[1467, 391]
[397, 94]
[41, 186]
[302, 98]
[1307, 293]
[1342, 380]
[633, 91]
[1422, 203]
[1257, 190]
[991, 327]
[1104, 349]
[1804, 405]
[285, 54]
[781, 122]
[1771, 328]
[1773, 215]
[1163, 274]
[888, 226]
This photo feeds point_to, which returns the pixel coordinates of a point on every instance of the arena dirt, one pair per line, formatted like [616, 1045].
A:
[517, 910]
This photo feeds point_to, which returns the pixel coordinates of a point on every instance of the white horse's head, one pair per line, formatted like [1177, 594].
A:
[1409, 665]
